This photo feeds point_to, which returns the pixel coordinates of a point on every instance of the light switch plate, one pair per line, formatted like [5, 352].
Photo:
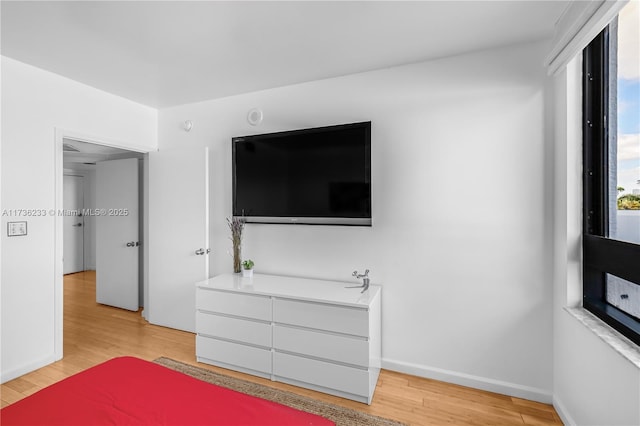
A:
[16, 229]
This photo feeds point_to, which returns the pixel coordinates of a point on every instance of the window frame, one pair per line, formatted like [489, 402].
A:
[602, 255]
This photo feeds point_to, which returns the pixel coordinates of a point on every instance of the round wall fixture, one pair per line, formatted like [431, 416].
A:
[188, 125]
[254, 117]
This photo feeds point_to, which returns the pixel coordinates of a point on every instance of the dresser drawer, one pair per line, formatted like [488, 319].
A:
[339, 319]
[234, 353]
[248, 331]
[349, 350]
[242, 305]
[339, 377]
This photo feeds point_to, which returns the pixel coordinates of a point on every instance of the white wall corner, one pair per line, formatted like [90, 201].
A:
[27, 368]
[563, 412]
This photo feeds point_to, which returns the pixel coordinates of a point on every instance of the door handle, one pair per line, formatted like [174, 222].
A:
[199, 252]
[131, 244]
[77, 224]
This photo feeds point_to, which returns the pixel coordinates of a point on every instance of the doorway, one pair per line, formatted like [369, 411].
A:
[177, 256]
[102, 196]
[78, 154]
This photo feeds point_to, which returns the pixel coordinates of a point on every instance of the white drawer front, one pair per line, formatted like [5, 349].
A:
[243, 305]
[340, 319]
[322, 345]
[257, 333]
[333, 376]
[234, 354]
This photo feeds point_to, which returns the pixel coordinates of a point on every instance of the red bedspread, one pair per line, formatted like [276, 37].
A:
[130, 391]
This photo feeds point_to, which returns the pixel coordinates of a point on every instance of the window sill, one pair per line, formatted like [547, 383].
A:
[611, 337]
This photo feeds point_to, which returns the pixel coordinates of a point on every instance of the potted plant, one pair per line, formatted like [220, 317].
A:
[247, 268]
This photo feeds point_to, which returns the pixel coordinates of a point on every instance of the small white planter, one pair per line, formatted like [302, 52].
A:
[247, 273]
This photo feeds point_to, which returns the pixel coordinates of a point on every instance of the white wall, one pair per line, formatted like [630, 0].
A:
[593, 384]
[34, 104]
[461, 235]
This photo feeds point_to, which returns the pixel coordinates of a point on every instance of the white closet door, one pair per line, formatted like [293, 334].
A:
[117, 235]
[73, 225]
[178, 234]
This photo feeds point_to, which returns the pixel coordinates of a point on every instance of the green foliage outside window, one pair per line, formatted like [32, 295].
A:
[629, 202]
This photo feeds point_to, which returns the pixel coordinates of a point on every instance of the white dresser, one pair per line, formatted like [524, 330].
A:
[310, 333]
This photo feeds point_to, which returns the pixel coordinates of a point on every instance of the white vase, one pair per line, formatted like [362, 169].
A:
[247, 273]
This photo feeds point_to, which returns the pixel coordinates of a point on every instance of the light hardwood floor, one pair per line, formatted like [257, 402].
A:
[94, 333]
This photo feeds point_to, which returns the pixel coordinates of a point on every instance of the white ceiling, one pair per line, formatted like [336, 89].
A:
[174, 52]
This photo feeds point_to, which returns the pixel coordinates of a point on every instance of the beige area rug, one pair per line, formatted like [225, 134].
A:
[340, 415]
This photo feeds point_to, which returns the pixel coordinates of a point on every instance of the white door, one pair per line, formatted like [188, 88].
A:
[178, 243]
[117, 238]
[73, 225]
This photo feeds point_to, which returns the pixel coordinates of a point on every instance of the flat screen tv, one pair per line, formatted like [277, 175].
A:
[316, 176]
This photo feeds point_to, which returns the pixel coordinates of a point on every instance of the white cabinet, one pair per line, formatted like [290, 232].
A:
[310, 333]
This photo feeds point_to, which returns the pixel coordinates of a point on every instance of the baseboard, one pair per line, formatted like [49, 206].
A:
[26, 368]
[563, 412]
[483, 383]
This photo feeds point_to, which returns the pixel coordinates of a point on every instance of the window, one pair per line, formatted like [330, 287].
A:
[611, 180]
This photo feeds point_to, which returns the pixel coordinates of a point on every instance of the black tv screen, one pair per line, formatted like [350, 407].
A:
[313, 176]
